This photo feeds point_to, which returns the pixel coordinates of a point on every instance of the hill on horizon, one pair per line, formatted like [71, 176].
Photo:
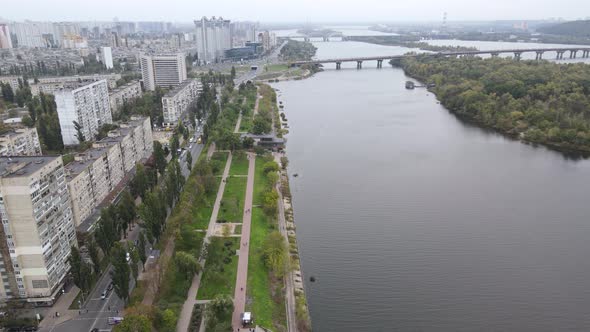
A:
[574, 28]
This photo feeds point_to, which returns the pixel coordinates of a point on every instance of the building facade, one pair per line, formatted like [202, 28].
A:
[124, 94]
[38, 230]
[88, 106]
[50, 85]
[176, 102]
[96, 173]
[5, 39]
[107, 57]
[20, 142]
[164, 70]
[33, 34]
[213, 38]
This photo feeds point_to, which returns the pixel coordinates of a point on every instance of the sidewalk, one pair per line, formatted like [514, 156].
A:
[242, 275]
[187, 308]
[62, 306]
[289, 289]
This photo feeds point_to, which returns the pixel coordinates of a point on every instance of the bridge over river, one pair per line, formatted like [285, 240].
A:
[573, 52]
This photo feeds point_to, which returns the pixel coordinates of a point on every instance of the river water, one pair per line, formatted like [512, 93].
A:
[412, 220]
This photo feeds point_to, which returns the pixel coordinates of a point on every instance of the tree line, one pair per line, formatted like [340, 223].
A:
[537, 101]
[42, 113]
[296, 50]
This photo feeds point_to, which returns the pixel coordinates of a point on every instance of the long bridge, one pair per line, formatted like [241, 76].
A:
[573, 52]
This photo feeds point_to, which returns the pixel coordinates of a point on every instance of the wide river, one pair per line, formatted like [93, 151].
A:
[411, 220]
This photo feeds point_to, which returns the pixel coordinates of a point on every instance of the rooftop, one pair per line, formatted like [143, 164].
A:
[123, 87]
[179, 88]
[69, 86]
[83, 160]
[23, 165]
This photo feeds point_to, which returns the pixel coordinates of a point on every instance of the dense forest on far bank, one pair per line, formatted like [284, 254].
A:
[575, 28]
[409, 42]
[537, 101]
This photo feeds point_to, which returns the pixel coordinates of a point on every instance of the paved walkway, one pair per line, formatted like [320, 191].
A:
[242, 275]
[187, 308]
[254, 112]
[211, 150]
[289, 289]
[62, 306]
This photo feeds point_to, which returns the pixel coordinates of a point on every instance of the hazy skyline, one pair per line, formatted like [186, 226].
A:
[293, 10]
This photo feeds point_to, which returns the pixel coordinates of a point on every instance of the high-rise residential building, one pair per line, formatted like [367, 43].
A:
[99, 173]
[5, 39]
[213, 38]
[268, 40]
[242, 32]
[73, 41]
[124, 94]
[87, 105]
[38, 231]
[20, 142]
[164, 70]
[176, 101]
[107, 57]
[66, 31]
[33, 34]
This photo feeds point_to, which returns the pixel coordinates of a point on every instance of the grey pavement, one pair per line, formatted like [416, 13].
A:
[242, 273]
[290, 304]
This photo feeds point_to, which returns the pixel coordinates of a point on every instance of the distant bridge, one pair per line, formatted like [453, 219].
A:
[585, 53]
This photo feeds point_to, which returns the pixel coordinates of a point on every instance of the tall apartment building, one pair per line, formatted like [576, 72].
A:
[268, 40]
[176, 101]
[20, 142]
[242, 32]
[107, 57]
[91, 177]
[213, 38]
[33, 34]
[65, 32]
[88, 105]
[38, 230]
[124, 94]
[5, 40]
[164, 70]
[73, 41]
[98, 172]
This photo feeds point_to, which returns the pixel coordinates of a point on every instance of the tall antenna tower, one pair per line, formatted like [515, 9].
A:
[444, 22]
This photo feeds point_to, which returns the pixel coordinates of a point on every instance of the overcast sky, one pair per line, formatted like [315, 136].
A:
[292, 10]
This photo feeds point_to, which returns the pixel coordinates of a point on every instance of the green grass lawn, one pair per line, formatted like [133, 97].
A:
[260, 181]
[238, 229]
[221, 268]
[274, 68]
[261, 304]
[202, 213]
[232, 203]
[246, 124]
[239, 164]
[218, 160]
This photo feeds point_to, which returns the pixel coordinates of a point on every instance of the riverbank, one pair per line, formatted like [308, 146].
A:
[409, 43]
[522, 100]
[296, 298]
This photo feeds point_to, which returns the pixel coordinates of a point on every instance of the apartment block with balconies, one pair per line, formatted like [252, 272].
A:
[20, 142]
[38, 228]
